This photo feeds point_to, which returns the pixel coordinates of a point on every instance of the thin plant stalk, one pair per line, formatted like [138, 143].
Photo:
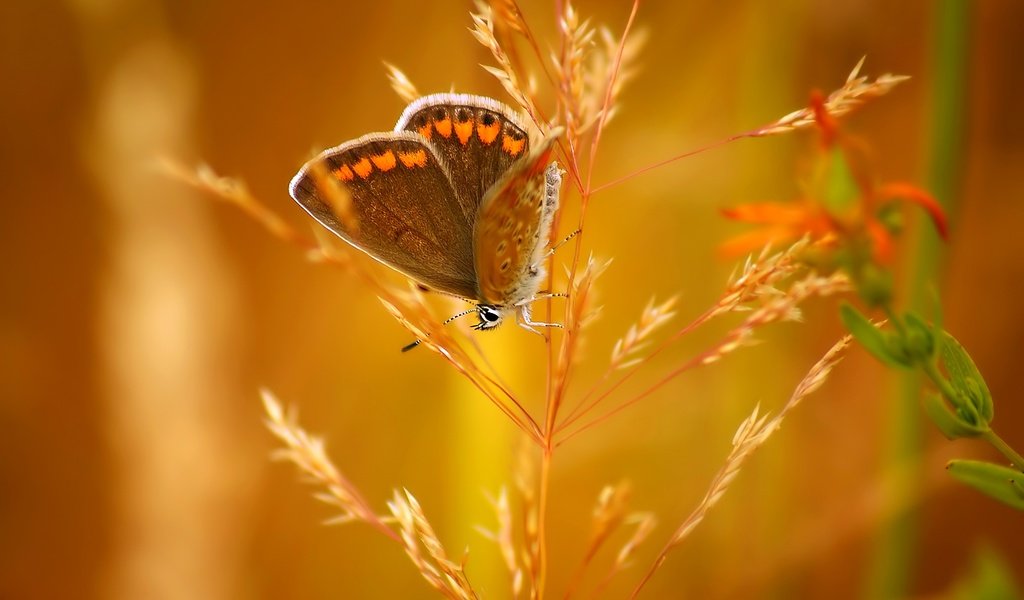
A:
[893, 549]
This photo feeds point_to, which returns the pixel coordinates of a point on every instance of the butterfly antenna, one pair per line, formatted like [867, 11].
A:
[412, 345]
[567, 238]
[554, 248]
[461, 314]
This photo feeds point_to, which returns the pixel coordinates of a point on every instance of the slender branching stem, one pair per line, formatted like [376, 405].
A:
[997, 442]
[542, 519]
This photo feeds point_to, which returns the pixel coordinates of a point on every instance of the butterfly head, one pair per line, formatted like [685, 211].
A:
[490, 316]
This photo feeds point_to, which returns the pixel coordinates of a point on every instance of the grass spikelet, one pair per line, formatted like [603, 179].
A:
[645, 523]
[750, 435]
[857, 90]
[505, 540]
[418, 535]
[782, 306]
[603, 116]
[235, 192]
[507, 14]
[777, 307]
[580, 311]
[307, 453]
[760, 277]
[600, 77]
[505, 72]
[606, 518]
[651, 319]
[608, 513]
[401, 84]
[757, 279]
[581, 307]
[576, 38]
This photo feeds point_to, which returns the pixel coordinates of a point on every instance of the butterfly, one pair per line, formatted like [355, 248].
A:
[454, 197]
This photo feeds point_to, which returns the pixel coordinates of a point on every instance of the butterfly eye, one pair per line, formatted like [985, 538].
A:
[490, 317]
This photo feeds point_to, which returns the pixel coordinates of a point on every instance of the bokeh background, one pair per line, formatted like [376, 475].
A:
[140, 317]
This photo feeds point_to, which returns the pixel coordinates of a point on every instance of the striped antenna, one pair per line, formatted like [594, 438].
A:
[412, 345]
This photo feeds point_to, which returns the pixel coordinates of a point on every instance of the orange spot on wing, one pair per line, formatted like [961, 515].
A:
[444, 127]
[427, 130]
[413, 159]
[385, 161]
[512, 146]
[344, 173]
[488, 133]
[464, 130]
[363, 168]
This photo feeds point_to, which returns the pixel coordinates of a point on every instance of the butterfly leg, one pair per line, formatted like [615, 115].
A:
[523, 318]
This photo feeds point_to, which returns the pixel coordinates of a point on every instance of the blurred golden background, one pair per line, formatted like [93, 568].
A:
[140, 317]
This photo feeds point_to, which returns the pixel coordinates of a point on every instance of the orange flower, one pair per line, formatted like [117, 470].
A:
[782, 223]
[844, 201]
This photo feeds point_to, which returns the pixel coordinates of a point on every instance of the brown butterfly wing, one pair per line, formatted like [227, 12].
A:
[478, 138]
[512, 228]
[406, 212]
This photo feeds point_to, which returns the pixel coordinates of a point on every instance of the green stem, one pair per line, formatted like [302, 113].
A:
[892, 557]
[997, 442]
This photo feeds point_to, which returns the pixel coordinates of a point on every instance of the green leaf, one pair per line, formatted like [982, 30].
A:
[996, 481]
[965, 377]
[873, 339]
[950, 423]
